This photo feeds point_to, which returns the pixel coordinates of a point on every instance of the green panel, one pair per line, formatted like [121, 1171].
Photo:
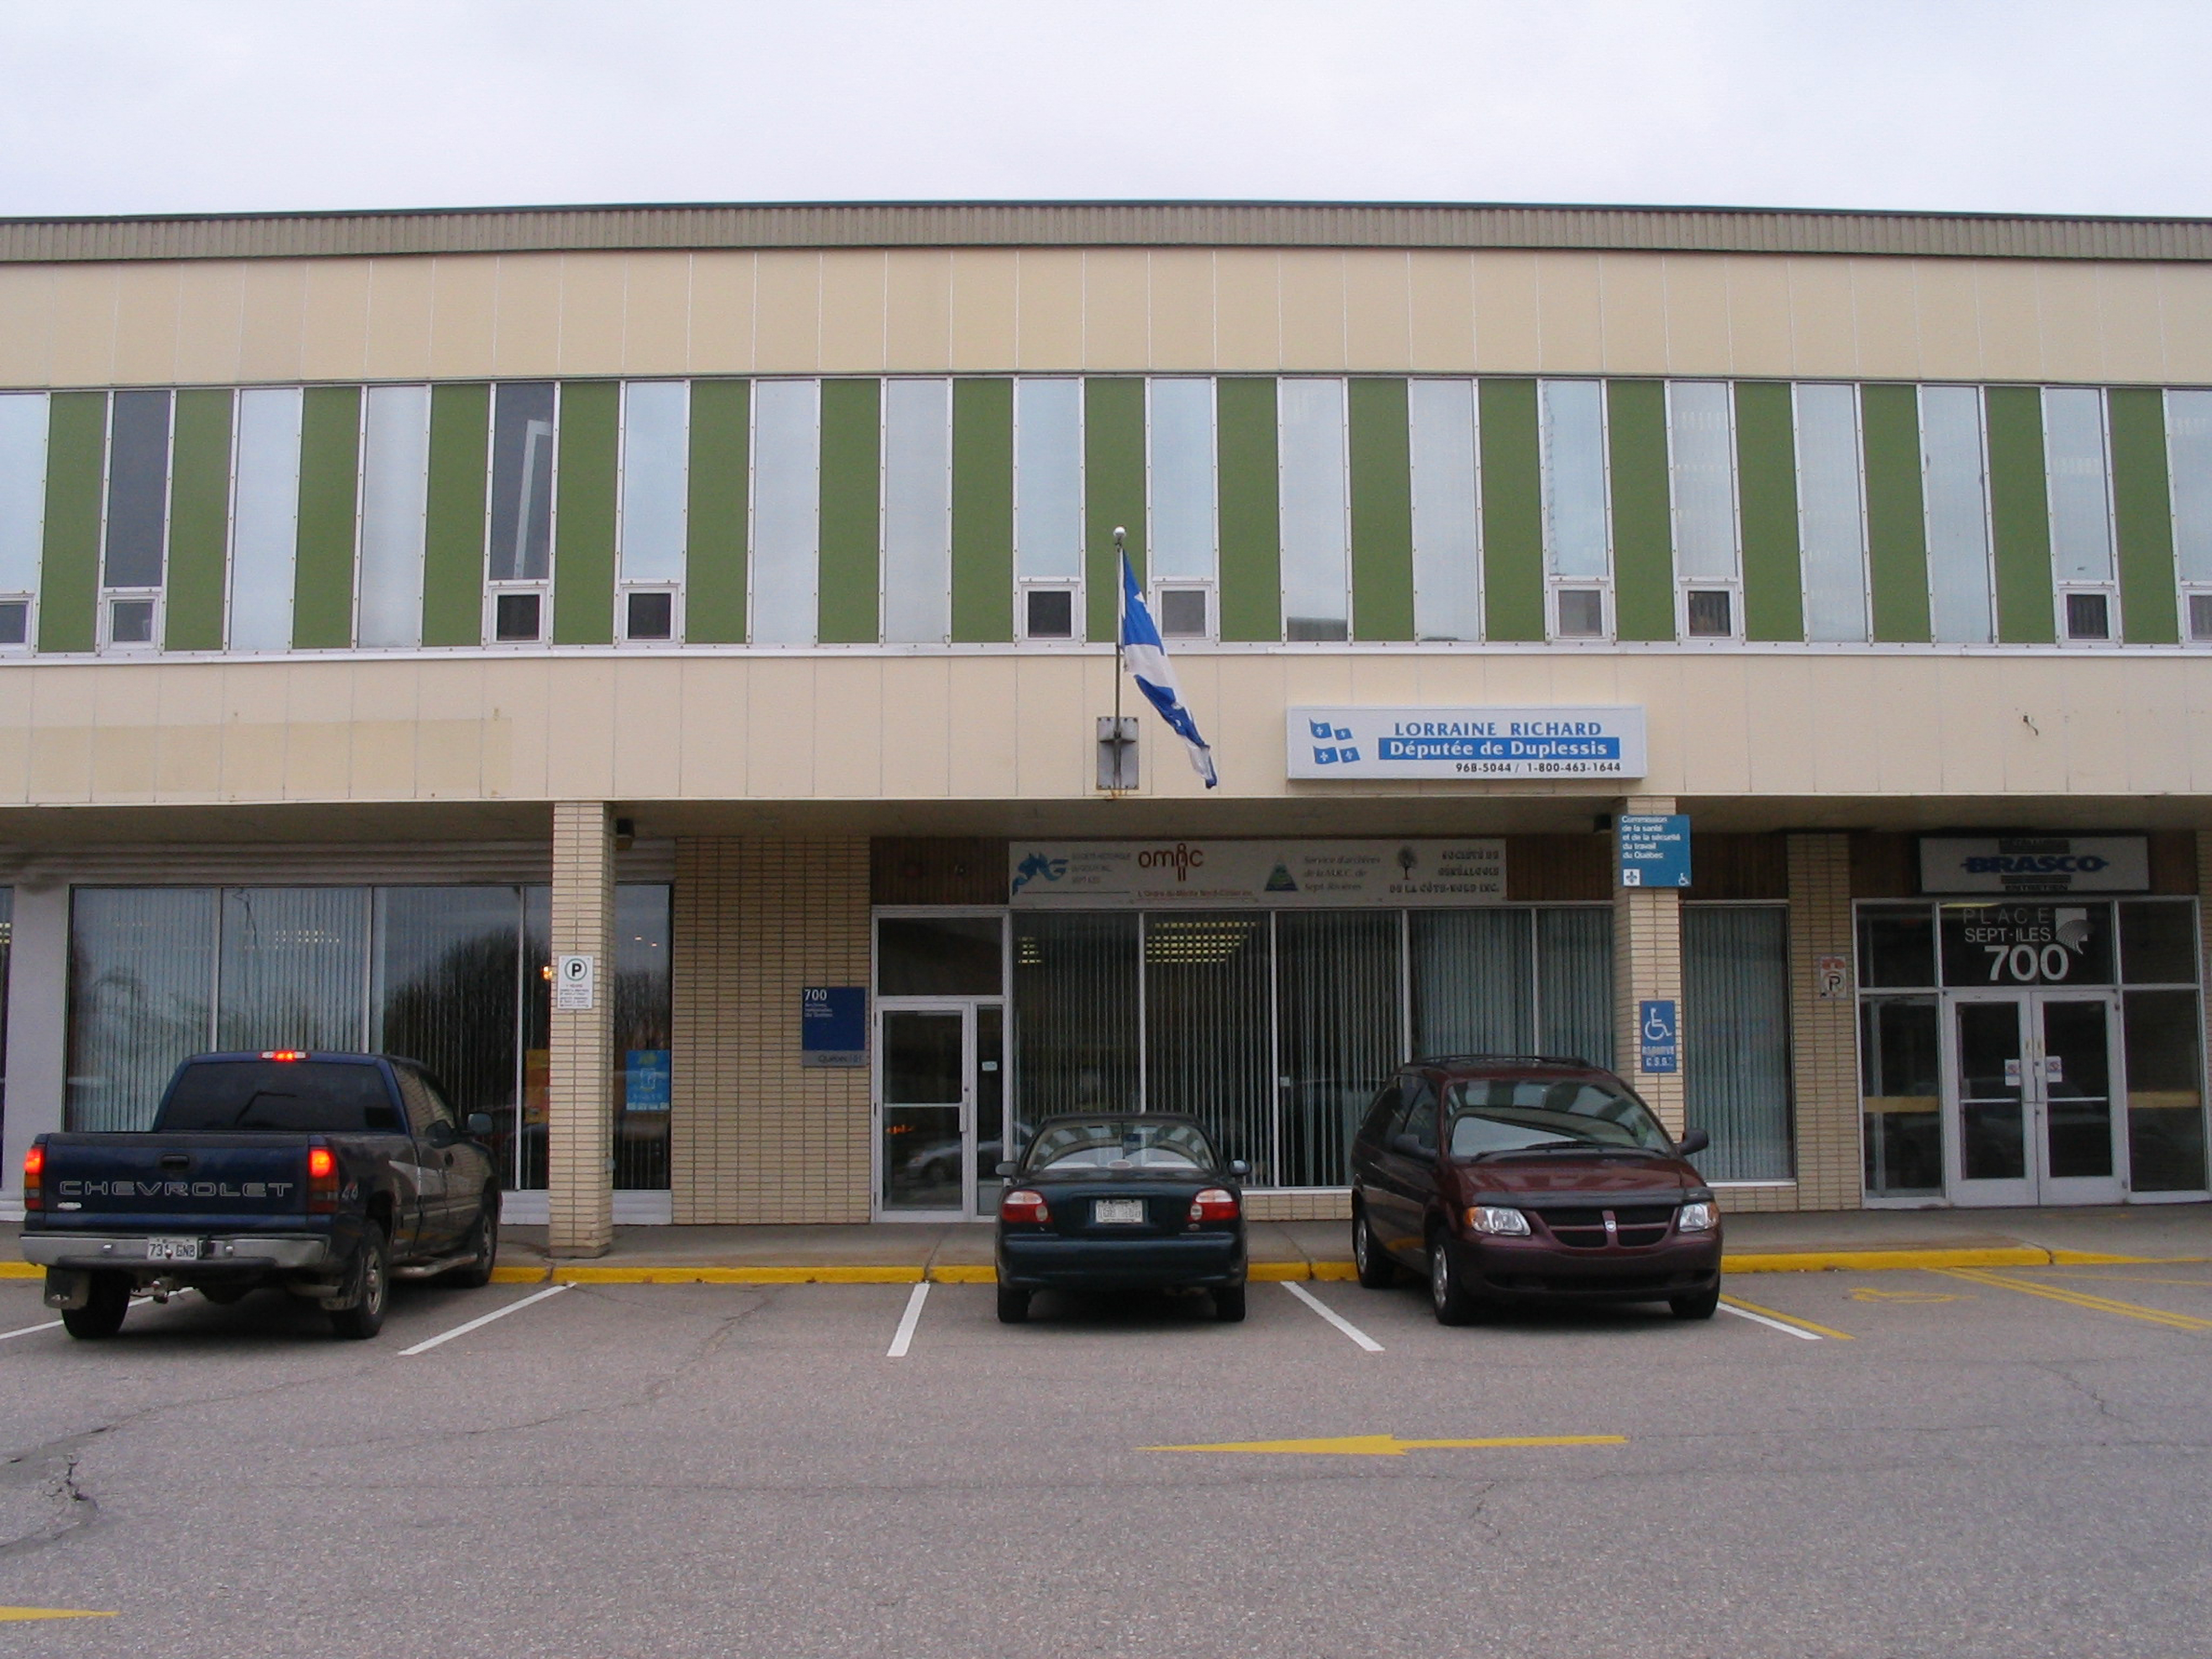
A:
[2143, 516]
[1382, 511]
[1642, 530]
[68, 563]
[1512, 512]
[851, 568]
[583, 514]
[1766, 506]
[199, 521]
[1249, 502]
[983, 510]
[454, 535]
[330, 475]
[1113, 494]
[1897, 526]
[2020, 517]
[716, 527]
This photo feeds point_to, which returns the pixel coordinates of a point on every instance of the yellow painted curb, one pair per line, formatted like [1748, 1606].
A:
[2098, 1259]
[21, 1270]
[1817, 1261]
[1342, 1271]
[737, 1275]
[1276, 1272]
[18, 1616]
[964, 1272]
[518, 1275]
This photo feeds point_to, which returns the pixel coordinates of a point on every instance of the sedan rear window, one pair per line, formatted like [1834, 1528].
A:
[1502, 1115]
[1127, 1143]
[301, 1096]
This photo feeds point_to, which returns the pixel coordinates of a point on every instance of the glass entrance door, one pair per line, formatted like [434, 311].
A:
[2030, 1098]
[940, 1108]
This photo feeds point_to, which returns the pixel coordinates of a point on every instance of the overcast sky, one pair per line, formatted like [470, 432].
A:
[200, 105]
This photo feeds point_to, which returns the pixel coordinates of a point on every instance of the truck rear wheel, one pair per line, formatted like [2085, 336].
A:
[105, 1305]
[371, 1285]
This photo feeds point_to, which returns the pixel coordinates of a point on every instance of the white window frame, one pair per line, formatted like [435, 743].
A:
[1555, 584]
[623, 586]
[542, 586]
[1077, 584]
[1859, 472]
[2063, 590]
[1732, 586]
[104, 622]
[1206, 592]
[2188, 591]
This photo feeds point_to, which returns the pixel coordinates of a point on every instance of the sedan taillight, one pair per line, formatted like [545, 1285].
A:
[1025, 1206]
[1214, 1204]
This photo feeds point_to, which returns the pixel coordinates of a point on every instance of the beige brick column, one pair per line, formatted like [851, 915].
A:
[579, 1141]
[1647, 962]
[1824, 1028]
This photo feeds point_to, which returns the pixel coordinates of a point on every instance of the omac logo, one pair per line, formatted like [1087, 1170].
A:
[1182, 858]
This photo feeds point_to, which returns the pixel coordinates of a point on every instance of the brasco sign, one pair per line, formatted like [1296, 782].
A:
[2035, 864]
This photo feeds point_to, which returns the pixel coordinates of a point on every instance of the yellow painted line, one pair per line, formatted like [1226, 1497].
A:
[582, 1275]
[2098, 1259]
[1789, 1319]
[1910, 1298]
[12, 1615]
[21, 1270]
[1388, 1445]
[2082, 1300]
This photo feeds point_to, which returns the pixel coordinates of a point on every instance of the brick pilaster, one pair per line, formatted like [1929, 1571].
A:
[1647, 963]
[580, 1199]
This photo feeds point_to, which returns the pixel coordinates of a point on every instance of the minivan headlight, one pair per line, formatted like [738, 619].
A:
[1497, 1219]
[1695, 1218]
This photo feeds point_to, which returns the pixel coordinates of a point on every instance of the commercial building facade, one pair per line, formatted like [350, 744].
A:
[651, 665]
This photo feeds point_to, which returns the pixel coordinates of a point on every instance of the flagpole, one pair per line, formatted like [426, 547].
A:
[1121, 633]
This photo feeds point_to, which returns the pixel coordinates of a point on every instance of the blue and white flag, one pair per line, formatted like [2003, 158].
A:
[1147, 660]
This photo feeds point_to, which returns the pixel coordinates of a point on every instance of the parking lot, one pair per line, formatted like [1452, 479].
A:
[1985, 1461]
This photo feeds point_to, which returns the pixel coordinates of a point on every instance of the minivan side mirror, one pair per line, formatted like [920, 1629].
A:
[1692, 1141]
[1007, 1167]
[479, 1124]
[1239, 1167]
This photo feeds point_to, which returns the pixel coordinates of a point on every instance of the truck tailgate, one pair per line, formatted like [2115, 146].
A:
[179, 1182]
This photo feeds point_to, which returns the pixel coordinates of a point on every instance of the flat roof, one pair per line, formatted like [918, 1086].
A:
[1099, 224]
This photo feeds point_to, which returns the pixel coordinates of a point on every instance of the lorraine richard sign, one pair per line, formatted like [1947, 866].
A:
[1467, 744]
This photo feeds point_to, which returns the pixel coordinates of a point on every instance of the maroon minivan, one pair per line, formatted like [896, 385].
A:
[1505, 1177]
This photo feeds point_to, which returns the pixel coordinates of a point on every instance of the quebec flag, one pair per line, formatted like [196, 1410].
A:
[1147, 660]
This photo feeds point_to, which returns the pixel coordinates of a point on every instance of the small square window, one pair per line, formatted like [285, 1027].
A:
[130, 622]
[652, 616]
[1709, 614]
[514, 617]
[1182, 613]
[2089, 616]
[1050, 614]
[14, 621]
[2200, 616]
[1581, 613]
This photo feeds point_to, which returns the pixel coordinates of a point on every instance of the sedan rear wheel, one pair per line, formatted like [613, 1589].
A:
[1453, 1305]
[1229, 1305]
[1376, 1269]
[1013, 1306]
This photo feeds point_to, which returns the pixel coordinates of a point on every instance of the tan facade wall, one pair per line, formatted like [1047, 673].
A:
[1007, 725]
[1257, 310]
[756, 1137]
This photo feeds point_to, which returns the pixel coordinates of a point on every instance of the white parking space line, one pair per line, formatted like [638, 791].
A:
[1770, 1324]
[32, 1330]
[903, 1339]
[478, 1323]
[1333, 1316]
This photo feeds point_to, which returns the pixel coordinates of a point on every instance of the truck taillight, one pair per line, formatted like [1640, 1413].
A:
[1214, 1204]
[322, 1181]
[1025, 1206]
[34, 1177]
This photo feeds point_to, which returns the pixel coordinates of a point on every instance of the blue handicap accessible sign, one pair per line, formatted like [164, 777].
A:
[1658, 1040]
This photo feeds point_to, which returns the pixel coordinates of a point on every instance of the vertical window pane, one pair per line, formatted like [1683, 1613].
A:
[1955, 484]
[141, 998]
[656, 429]
[1340, 1031]
[643, 1043]
[1473, 981]
[1735, 1044]
[2166, 1098]
[786, 510]
[1316, 538]
[1901, 1095]
[2189, 456]
[138, 489]
[1447, 536]
[1575, 543]
[294, 968]
[1048, 479]
[1179, 442]
[917, 511]
[522, 482]
[1574, 983]
[394, 492]
[1830, 513]
[1701, 459]
[265, 521]
[536, 1023]
[2081, 491]
[1206, 1049]
[23, 489]
[1075, 1015]
[444, 994]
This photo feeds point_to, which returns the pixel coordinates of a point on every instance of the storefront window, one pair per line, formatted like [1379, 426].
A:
[293, 967]
[939, 957]
[446, 976]
[2027, 942]
[141, 998]
[642, 1044]
[1341, 1022]
[1075, 1000]
[1900, 1082]
[1207, 1052]
[1897, 947]
[1735, 1007]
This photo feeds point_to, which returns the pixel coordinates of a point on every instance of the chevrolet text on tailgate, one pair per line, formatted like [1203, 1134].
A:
[323, 1175]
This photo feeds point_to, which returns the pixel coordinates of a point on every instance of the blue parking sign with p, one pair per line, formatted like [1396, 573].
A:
[1658, 1036]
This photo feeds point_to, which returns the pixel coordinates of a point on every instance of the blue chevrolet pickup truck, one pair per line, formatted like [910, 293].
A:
[325, 1175]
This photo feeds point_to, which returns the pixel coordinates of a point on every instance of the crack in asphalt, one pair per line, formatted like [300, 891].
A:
[2087, 1390]
[66, 1507]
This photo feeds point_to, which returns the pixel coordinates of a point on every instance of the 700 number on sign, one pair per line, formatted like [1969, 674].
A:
[2024, 964]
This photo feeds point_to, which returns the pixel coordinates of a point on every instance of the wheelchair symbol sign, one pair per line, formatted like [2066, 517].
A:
[1658, 1036]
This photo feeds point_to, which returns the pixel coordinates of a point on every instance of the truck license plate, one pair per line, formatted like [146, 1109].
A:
[1117, 1211]
[173, 1249]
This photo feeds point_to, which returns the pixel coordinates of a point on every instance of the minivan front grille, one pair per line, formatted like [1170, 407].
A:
[1634, 1225]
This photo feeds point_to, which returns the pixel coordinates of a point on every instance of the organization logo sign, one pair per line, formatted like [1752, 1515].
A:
[1467, 744]
[1274, 874]
[2035, 864]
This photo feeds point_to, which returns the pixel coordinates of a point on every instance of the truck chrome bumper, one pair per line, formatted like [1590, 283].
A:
[250, 1252]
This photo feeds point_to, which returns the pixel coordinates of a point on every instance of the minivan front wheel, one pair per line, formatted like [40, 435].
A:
[1699, 1304]
[1449, 1299]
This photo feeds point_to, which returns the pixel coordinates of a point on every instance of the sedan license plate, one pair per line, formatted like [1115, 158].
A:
[173, 1249]
[1117, 1212]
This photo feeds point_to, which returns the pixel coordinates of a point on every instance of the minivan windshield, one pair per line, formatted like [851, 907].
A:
[1119, 1143]
[295, 1096]
[1512, 1114]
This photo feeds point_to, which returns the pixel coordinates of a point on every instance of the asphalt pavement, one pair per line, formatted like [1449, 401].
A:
[1986, 1462]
